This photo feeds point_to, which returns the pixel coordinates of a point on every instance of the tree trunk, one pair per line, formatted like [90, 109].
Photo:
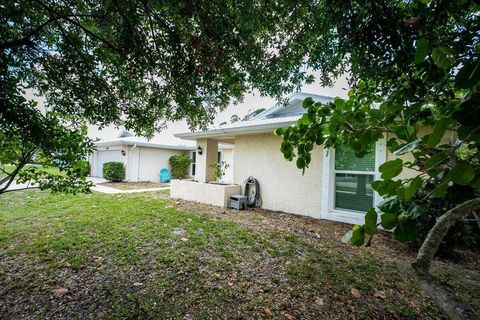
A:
[443, 294]
[6, 182]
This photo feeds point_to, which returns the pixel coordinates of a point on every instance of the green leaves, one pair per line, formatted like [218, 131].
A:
[412, 187]
[422, 50]
[468, 113]
[388, 220]
[371, 221]
[279, 131]
[356, 236]
[391, 168]
[443, 57]
[415, 211]
[300, 163]
[406, 231]
[307, 103]
[390, 205]
[462, 174]
[438, 132]
[386, 187]
[408, 147]
[468, 76]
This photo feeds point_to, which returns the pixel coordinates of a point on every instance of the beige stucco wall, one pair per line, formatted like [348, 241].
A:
[209, 193]
[227, 155]
[145, 163]
[203, 171]
[98, 157]
[283, 187]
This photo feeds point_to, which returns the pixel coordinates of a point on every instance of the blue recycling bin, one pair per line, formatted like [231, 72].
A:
[165, 175]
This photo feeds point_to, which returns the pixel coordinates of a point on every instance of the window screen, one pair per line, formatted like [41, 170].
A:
[353, 179]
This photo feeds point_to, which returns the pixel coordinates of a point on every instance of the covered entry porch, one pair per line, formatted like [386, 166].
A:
[212, 172]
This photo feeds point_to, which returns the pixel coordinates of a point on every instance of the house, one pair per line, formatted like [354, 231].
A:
[143, 159]
[336, 186]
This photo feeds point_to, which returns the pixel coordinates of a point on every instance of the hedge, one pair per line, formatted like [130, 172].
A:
[113, 171]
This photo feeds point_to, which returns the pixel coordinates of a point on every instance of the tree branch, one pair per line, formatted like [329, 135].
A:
[11, 177]
[20, 189]
[25, 40]
[443, 294]
[69, 19]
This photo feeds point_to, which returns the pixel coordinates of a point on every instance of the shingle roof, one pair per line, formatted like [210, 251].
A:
[279, 115]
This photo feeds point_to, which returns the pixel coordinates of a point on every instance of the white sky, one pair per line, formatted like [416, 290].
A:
[251, 102]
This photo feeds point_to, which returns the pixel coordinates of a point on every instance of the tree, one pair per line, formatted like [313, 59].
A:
[414, 65]
[135, 63]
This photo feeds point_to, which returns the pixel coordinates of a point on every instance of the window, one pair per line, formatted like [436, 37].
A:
[346, 183]
[353, 178]
[193, 157]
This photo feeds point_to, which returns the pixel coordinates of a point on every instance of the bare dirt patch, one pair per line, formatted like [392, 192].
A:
[134, 185]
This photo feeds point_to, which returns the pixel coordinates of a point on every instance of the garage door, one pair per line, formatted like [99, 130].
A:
[107, 156]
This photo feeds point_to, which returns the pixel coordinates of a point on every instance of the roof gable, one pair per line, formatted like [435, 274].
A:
[293, 107]
[125, 134]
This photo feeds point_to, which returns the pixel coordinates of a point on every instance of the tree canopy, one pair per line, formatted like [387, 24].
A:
[134, 63]
[415, 77]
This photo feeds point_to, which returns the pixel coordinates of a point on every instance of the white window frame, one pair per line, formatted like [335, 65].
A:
[328, 210]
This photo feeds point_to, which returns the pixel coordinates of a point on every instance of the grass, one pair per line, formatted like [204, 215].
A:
[9, 169]
[146, 256]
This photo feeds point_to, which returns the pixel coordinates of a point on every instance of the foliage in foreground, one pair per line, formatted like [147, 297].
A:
[416, 70]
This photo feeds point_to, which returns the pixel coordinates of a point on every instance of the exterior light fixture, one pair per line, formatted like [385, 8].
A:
[123, 153]
[199, 150]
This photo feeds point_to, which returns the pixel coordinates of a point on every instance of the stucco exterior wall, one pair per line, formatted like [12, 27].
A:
[203, 171]
[102, 155]
[227, 155]
[283, 187]
[209, 193]
[151, 160]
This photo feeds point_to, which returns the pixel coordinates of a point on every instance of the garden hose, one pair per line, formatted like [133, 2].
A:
[252, 192]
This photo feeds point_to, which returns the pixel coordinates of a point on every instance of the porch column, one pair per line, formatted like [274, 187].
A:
[203, 173]
[93, 164]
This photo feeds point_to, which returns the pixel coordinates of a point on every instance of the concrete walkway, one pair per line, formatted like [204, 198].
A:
[97, 187]
[17, 186]
[104, 189]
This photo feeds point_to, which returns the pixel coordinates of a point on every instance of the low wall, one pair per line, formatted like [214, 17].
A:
[209, 193]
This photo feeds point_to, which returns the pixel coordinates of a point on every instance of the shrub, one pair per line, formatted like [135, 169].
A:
[464, 234]
[179, 165]
[220, 170]
[113, 171]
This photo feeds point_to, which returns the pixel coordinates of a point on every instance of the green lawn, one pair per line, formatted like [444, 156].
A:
[9, 169]
[145, 256]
